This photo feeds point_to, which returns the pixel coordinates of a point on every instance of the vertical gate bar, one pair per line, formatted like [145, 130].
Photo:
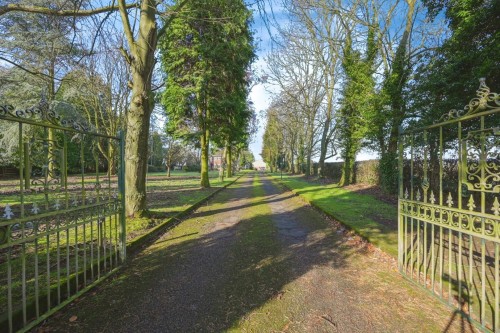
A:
[459, 194]
[9, 287]
[92, 245]
[110, 219]
[76, 255]
[460, 271]
[433, 258]
[102, 222]
[400, 218]
[483, 280]
[58, 258]
[471, 276]
[107, 221]
[497, 296]
[37, 292]
[23, 224]
[47, 240]
[441, 261]
[425, 254]
[450, 236]
[84, 253]
[406, 245]
[23, 274]
[411, 248]
[115, 219]
[68, 271]
[121, 190]
[418, 250]
[21, 169]
[441, 158]
[483, 159]
[99, 242]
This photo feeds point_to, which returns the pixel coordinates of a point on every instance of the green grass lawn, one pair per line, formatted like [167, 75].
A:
[168, 196]
[369, 217]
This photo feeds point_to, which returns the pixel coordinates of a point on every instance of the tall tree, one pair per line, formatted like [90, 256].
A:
[43, 50]
[358, 97]
[450, 73]
[139, 54]
[205, 53]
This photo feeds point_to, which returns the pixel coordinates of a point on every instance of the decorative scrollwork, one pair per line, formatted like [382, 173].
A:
[42, 113]
[480, 172]
[468, 221]
[484, 101]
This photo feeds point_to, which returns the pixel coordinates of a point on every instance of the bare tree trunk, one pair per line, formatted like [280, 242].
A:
[204, 141]
[141, 60]
[229, 161]
[136, 152]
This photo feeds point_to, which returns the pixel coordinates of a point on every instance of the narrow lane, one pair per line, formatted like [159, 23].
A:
[256, 259]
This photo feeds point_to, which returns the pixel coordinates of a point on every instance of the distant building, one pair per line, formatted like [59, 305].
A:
[259, 165]
[216, 159]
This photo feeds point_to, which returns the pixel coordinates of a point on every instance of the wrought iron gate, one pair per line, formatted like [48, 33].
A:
[449, 211]
[62, 226]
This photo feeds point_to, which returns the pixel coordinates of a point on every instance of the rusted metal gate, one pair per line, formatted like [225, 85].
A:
[449, 211]
[62, 227]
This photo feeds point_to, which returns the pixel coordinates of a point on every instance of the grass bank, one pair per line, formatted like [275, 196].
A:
[369, 217]
[169, 196]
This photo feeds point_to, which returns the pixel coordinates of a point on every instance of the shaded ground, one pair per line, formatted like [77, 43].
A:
[257, 259]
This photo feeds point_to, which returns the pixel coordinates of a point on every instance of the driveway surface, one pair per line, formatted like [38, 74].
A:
[256, 258]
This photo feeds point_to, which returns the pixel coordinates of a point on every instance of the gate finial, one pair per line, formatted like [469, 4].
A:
[485, 100]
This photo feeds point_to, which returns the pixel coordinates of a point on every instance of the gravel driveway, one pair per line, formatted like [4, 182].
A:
[257, 259]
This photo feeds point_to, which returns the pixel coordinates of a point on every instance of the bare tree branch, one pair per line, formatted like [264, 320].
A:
[63, 12]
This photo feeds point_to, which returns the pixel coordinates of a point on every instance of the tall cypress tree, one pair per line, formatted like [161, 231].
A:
[206, 51]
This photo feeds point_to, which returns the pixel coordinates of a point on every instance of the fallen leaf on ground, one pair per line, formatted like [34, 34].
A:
[73, 318]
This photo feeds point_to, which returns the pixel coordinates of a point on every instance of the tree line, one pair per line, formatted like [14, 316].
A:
[111, 64]
[348, 75]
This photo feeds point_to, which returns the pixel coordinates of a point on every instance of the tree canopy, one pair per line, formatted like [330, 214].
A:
[206, 52]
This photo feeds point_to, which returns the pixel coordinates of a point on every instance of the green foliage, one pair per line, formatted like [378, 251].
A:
[357, 102]
[206, 50]
[388, 169]
[449, 76]
[205, 53]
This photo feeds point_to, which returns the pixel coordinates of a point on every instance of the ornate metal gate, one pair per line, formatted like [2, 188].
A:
[449, 211]
[62, 226]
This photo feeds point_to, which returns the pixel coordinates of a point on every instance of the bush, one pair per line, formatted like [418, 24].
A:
[155, 168]
[192, 168]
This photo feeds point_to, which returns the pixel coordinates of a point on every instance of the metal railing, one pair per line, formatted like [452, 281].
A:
[62, 226]
[449, 223]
